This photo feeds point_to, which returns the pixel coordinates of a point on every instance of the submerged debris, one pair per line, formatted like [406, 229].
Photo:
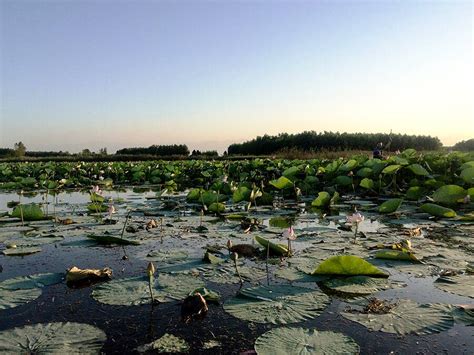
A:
[193, 307]
[376, 306]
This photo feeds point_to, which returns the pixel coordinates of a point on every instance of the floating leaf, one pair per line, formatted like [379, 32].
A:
[343, 180]
[283, 341]
[31, 212]
[168, 343]
[109, 239]
[167, 257]
[348, 265]
[242, 193]
[21, 251]
[216, 207]
[449, 194]
[414, 193]
[406, 317]
[134, 290]
[362, 285]
[211, 258]
[52, 338]
[437, 210]
[32, 281]
[279, 304]
[462, 285]
[390, 206]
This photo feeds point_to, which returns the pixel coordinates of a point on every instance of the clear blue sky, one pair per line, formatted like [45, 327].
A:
[91, 74]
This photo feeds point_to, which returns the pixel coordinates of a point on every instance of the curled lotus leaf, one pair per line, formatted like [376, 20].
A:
[289, 341]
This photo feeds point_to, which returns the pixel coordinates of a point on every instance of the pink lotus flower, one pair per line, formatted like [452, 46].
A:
[96, 190]
[289, 234]
[355, 218]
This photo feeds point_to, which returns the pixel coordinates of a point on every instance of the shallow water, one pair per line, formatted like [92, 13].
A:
[130, 326]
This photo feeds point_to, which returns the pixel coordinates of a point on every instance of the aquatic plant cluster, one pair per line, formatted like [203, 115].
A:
[273, 256]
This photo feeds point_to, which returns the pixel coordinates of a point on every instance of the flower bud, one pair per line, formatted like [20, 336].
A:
[150, 269]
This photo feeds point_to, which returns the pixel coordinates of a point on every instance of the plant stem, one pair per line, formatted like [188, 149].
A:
[125, 224]
[151, 290]
[266, 264]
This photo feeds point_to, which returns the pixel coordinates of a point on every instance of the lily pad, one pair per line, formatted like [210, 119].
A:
[348, 265]
[283, 341]
[362, 285]
[462, 285]
[282, 183]
[52, 338]
[322, 200]
[21, 251]
[168, 257]
[168, 343]
[134, 290]
[407, 317]
[278, 249]
[279, 304]
[109, 239]
[396, 255]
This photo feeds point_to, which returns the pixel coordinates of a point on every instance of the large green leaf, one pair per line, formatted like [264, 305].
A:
[279, 304]
[343, 180]
[282, 183]
[297, 341]
[242, 193]
[406, 317]
[367, 183]
[449, 194]
[391, 169]
[438, 211]
[322, 200]
[31, 212]
[278, 249]
[417, 169]
[468, 175]
[390, 206]
[414, 193]
[348, 265]
[52, 338]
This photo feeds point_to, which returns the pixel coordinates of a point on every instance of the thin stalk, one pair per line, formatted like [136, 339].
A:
[266, 264]
[125, 224]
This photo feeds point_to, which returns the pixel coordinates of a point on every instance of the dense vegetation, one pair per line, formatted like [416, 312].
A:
[465, 146]
[159, 150]
[332, 141]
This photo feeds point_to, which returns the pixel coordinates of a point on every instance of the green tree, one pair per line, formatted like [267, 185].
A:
[20, 149]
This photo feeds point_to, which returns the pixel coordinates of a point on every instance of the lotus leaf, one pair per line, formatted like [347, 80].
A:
[468, 175]
[362, 285]
[462, 285]
[282, 183]
[390, 206]
[348, 265]
[279, 304]
[449, 194]
[278, 249]
[109, 239]
[168, 343]
[30, 212]
[367, 183]
[289, 341]
[417, 169]
[52, 338]
[322, 200]
[21, 251]
[437, 210]
[242, 193]
[407, 317]
[391, 169]
[396, 255]
[216, 207]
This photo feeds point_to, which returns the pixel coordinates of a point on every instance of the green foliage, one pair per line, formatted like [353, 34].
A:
[390, 206]
[348, 265]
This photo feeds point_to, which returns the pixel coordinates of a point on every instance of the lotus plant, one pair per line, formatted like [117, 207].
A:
[355, 219]
[234, 256]
[151, 271]
[290, 235]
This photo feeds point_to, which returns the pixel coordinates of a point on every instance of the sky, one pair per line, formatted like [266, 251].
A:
[92, 74]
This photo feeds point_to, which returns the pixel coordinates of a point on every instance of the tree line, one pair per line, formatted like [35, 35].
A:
[330, 141]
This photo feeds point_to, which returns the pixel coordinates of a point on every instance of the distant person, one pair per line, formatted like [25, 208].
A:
[377, 152]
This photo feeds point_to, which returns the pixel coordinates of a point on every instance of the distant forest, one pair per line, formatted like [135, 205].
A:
[267, 145]
[329, 141]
